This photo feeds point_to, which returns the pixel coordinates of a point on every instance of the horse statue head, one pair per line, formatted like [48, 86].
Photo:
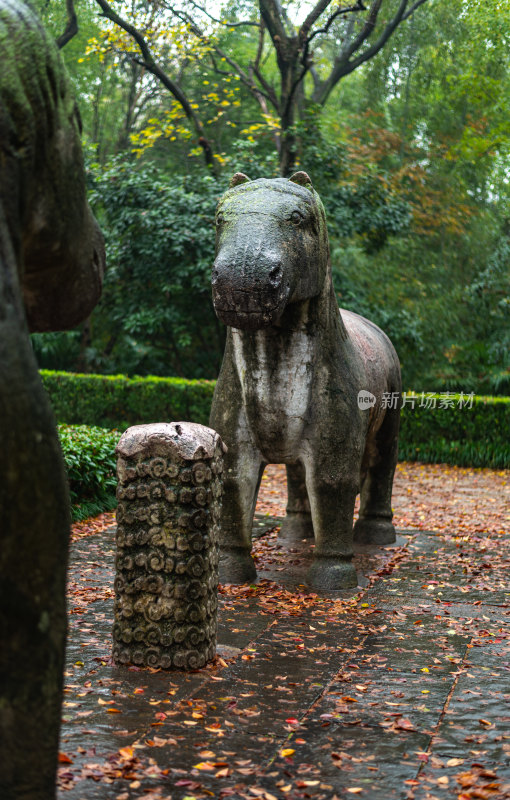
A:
[271, 249]
[55, 240]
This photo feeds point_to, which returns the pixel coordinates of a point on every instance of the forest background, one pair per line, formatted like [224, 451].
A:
[397, 110]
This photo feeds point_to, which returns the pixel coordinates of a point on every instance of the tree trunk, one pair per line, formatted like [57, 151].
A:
[289, 69]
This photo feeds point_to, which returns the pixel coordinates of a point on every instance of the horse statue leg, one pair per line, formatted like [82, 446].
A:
[297, 523]
[332, 489]
[374, 525]
[242, 476]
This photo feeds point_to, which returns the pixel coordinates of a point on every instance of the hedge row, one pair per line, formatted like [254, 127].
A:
[115, 401]
[456, 431]
[466, 432]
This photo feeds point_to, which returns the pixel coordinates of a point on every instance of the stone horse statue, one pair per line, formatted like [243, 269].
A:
[301, 383]
[51, 269]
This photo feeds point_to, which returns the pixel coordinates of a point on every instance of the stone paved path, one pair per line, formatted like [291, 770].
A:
[400, 691]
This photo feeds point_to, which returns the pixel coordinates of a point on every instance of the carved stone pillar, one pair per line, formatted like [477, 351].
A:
[169, 493]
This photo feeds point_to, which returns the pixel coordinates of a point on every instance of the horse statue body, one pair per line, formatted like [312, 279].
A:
[51, 269]
[294, 383]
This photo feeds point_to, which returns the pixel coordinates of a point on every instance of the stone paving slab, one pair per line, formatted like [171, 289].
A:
[303, 706]
[376, 761]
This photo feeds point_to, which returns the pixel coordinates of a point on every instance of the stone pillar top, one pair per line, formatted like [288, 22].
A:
[187, 440]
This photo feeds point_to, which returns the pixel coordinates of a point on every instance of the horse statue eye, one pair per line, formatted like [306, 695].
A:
[296, 217]
[220, 219]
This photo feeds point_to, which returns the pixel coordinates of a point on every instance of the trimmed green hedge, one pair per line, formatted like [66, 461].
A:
[89, 454]
[115, 401]
[477, 436]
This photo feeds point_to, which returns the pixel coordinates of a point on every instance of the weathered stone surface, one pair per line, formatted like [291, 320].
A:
[51, 267]
[166, 581]
[293, 370]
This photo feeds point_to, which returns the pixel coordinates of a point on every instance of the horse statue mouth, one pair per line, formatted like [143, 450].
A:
[249, 320]
[250, 311]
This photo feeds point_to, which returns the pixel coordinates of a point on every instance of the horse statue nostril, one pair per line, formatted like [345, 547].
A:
[275, 274]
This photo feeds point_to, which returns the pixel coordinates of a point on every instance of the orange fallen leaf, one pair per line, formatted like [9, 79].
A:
[404, 724]
[287, 751]
[63, 758]
[113, 711]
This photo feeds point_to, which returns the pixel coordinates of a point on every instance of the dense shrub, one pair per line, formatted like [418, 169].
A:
[476, 436]
[89, 454]
[115, 401]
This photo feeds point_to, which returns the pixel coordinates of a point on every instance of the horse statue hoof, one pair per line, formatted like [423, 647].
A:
[236, 566]
[295, 527]
[332, 573]
[373, 530]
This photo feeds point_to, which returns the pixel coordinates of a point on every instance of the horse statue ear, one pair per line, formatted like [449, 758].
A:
[302, 179]
[237, 179]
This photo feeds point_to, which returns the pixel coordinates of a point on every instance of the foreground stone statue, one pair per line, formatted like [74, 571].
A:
[166, 582]
[288, 390]
[51, 266]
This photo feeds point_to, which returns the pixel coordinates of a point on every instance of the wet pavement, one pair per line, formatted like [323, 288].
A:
[400, 689]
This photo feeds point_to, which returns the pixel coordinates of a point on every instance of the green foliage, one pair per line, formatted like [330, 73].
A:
[156, 314]
[467, 437]
[362, 206]
[116, 401]
[89, 454]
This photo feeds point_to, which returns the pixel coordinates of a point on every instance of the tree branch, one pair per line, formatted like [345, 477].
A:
[71, 28]
[260, 46]
[338, 12]
[413, 9]
[245, 78]
[369, 26]
[270, 11]
[343, 63]
[150, 64]
[220, 21]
